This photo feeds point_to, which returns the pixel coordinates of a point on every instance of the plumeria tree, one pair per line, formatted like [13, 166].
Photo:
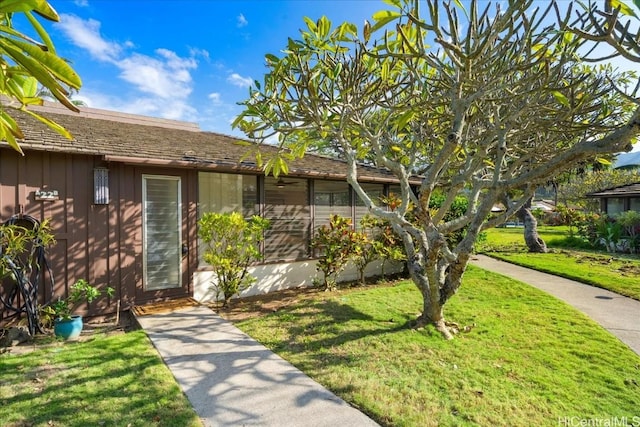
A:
[479, 103]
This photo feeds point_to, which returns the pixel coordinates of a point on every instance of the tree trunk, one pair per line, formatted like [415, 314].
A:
[361, 276]
[430, 289]
[533, 241]
[432, 315]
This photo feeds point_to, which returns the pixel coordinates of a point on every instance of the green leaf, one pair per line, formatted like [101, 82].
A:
[603, 161]
[9, 129]
[11, 6]
[561, 98]
[41, 32]
[404, 119]
[30, 87]
[311, 25]
[45, 10]
[10, 124]
[51, 124]
[32, 101]
[336, 70]
[624, 8]
[40, 72]
[383, 17]
[384, 70]
[243, 143]
[271, 59]
[396, 3]
[324, 26]
[461, 6]
[56, 65]
[346, 28]
[568, 37]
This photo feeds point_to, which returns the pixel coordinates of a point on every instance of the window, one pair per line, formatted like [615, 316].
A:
[331, 198]
[634, 204]
[375, 192]
[225, 193]
[615, 205]
[286, 205]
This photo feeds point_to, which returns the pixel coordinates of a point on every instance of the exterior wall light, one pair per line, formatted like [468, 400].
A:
[101, 186]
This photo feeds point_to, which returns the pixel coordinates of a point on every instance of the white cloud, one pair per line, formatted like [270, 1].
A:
[81, 3]
[148, 106]
[163, 77]
[242, 21]
[194, 52]
[237, 80]
[215, 98]
[86, 35]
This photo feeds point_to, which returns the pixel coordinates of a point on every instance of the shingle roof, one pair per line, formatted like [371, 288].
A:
[128, 138]
[621, 191]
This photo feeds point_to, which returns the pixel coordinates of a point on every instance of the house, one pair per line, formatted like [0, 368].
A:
[124, 197]
[619, 199]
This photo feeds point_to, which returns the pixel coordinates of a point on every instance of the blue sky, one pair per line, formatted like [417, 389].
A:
[187, 60]
[184, 60]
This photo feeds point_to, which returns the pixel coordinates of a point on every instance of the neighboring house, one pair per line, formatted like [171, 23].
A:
[618, 199]
[125, 195]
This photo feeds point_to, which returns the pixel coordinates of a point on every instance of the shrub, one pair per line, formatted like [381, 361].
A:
[364, 249]
[336, 242]
[81, 291]
[569, 217]
[609, 233]
[232, 244]
[630, 223]
[588, 228]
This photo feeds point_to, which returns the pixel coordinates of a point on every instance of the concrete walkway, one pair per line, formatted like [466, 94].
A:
[617, 314]
[232, 380]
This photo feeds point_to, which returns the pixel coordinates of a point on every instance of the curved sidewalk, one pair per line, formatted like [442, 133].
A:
[617, 314]
[232, 380]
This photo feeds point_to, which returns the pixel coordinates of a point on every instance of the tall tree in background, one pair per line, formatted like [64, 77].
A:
[25, 62]
[480, 103]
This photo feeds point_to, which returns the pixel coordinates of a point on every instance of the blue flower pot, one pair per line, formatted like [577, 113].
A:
[68, 328]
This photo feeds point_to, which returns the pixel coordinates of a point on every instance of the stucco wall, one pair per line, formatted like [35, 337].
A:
[275, 277]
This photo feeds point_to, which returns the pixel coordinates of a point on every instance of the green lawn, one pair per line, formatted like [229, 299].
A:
[609, 271]
[529, 359]
[116, 380]
[512, 239]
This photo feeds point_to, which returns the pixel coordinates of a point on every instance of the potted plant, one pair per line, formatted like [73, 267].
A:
[66, 324]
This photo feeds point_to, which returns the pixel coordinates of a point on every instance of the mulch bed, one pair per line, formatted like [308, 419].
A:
[164, 306]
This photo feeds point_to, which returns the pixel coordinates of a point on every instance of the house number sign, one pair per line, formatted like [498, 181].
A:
[47, 195]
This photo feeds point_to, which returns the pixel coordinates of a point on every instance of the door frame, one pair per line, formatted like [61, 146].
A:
[184, 288]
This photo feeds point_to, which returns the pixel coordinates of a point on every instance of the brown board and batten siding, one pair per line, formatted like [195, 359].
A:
[97, 242]
[83, 233]
[103, 243]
